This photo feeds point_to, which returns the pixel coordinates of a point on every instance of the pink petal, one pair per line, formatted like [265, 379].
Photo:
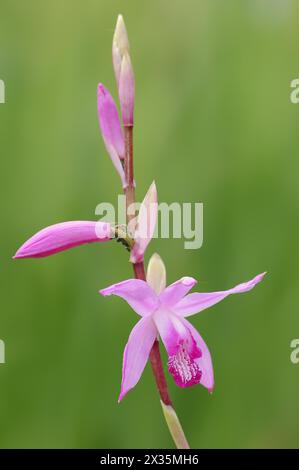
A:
[136, 353]
[146, 223]
[139, 295]
[205, 361]
[111, 129]
[63, 236]
[118, 166]
[198, 301]
[183, 352]
[176, 291]
[109, 122]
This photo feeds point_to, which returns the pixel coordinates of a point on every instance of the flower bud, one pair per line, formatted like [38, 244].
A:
[111, 129]
[156, 274]
[146, 224]
[62, 236]
[123, 71]
[120, 45]
[126, 90]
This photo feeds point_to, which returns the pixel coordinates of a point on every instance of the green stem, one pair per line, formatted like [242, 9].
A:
[175, 427]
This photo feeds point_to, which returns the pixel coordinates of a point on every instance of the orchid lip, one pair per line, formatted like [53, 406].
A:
[184, 372]
[184, 368]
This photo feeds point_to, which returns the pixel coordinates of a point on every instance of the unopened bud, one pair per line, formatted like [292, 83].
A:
[120, 45]
[146, 224]
[126, 90]
[156, 274]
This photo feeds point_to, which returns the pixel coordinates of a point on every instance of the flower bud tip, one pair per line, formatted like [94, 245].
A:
[120, 38]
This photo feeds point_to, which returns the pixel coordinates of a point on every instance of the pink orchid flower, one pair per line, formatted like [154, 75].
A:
[164, 311]
[65, 235]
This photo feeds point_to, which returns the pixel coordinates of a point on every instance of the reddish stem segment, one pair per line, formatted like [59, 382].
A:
[155, 357]
[157, 367]
[139, 271]
[129, 172]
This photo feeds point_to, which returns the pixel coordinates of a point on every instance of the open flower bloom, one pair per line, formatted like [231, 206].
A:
[65, 235]
[164, 311]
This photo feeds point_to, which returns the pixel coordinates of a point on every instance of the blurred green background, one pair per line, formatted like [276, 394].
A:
[214, 123]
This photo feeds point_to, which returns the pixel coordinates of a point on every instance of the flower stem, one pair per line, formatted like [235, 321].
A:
[157, 367]
[171, 418]
[175, 426]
